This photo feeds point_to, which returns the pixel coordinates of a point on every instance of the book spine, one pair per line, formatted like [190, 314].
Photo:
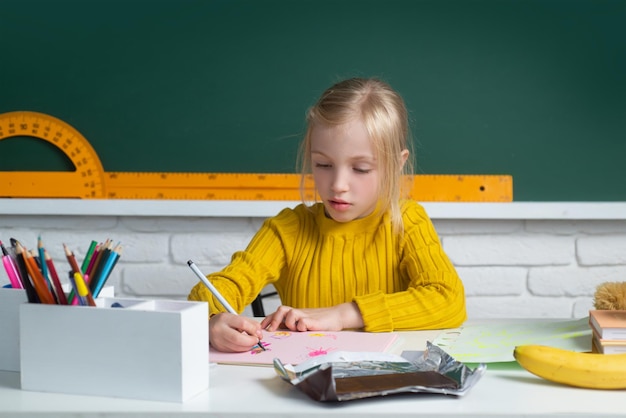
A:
[612, 347]
[606, 333]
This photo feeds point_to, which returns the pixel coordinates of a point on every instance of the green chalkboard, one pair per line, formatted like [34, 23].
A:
[531, 88]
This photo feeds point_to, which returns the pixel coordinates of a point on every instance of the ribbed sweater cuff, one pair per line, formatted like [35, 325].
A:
[200, 293]
[375, 312]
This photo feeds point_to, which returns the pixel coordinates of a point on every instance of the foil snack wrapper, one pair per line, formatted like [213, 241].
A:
[344, 375]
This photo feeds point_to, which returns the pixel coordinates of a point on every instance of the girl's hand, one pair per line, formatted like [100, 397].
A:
[233, 333]
[336, 318]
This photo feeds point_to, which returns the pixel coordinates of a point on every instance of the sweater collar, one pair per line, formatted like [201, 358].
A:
[328, 225]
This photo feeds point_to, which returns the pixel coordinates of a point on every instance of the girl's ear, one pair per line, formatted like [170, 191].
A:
[404, 155]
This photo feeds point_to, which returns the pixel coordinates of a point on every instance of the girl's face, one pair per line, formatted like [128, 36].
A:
[345, 170]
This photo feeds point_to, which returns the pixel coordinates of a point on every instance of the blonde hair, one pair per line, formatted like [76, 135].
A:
[383, 112]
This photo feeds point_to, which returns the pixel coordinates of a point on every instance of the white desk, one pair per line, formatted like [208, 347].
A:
[257, 392]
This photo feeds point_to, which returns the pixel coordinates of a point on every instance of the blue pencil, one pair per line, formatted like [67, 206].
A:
[109, 263]
[42, 262]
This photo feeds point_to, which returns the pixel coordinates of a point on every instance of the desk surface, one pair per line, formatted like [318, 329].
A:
[242, 391]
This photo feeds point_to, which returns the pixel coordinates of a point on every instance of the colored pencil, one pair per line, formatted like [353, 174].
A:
[40, 284]
[109, 264]
[82, 289]
[88, 256]
[92, 261]
[78, 300]
[9, 266]
[31, 294]
[96, 272]
[55, 279]
[42, 264]
[71, 259]
[75, 268]
[34, 255]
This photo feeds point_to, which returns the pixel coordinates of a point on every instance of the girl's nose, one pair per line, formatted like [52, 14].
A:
[340, 181]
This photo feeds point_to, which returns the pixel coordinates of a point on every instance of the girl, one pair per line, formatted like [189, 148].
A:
[362, 257]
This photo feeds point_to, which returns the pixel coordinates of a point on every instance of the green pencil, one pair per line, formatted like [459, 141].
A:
[90, 251]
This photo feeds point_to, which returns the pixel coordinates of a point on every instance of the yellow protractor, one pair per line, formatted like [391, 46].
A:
[90, 181]
[87, 181]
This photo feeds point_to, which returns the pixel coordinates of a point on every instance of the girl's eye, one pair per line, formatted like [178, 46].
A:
[362, 170]
[321, 165]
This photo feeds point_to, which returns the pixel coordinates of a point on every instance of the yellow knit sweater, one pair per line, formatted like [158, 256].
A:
[398, 282]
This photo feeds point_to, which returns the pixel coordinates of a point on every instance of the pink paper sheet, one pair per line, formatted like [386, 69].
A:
[295, 347]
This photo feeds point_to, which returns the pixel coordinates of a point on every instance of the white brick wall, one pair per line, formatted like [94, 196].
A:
[511, 268]
[534, 268]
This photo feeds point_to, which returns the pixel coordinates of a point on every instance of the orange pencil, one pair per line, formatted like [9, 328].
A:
[34, 256]
[41, 286]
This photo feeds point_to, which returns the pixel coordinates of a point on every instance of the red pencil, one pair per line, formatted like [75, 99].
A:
[71, 259]
[92, 260]
[55, 279]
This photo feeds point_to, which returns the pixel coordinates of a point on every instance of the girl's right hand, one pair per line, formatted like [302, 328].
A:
[233, 333]
[335, 318]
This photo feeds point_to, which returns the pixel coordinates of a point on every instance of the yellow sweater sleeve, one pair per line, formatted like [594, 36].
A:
[434, 297]
[248, 272]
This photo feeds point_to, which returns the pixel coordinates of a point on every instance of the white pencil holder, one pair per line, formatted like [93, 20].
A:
[10, 301]
[145, 349]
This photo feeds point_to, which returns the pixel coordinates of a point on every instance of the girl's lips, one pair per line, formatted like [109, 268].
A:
[339, 205]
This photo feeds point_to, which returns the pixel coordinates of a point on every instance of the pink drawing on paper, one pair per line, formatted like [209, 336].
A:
[315, 352]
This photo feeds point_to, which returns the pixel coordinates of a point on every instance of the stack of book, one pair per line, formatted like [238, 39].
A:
[609, 331]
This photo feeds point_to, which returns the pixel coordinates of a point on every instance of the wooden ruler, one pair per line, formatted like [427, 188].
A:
[90, 181]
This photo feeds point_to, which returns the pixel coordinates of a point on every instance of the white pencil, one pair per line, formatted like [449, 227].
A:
[212, 288]
[216, 293]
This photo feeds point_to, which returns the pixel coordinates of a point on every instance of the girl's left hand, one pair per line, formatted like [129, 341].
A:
[336, 318]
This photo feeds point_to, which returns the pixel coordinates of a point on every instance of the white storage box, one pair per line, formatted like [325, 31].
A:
[10, 301]
[146, 349]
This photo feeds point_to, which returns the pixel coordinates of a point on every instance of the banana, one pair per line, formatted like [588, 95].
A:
[573, 368]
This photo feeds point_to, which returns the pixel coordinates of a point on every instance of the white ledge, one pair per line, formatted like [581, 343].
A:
[237, 208]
